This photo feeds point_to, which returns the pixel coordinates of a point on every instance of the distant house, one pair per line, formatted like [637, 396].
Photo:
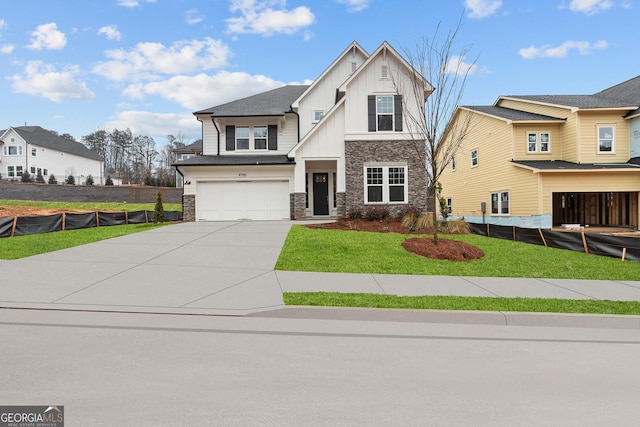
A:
[184, 153]
[40, 152]
[312, 151]
[548, 160]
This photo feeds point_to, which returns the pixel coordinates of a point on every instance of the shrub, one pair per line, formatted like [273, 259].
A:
[355, 212]
[26, 177]
[89, 180]
[108, 181]
[52, 179]
[71, 180]
[458, 226]
[40, 178]
[377, 213]
[409, 210]
[158, 212]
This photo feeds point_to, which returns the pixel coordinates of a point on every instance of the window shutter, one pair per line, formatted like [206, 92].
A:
[230, 135]
[397, 111]
[273, 137]
[372, 113]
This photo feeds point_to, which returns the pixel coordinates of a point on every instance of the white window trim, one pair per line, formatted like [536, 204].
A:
[266, 137]
[393, 113]
[248, 137]
[386, 185]
[538, 142]
[477, 157]
[499, 195]
[613, 139]
[17, 147]
[314, 115]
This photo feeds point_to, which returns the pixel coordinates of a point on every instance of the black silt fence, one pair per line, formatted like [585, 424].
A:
[625, 248]
[23, 225]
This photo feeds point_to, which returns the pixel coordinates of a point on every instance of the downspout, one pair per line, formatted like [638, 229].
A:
[298, 116]
[217, 130]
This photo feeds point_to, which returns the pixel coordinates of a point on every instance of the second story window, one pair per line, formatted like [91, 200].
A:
[12, 150]
[242, 137]
[384, 112]
[538, 142]
[605, 139]
[260, 137]
[34, 152]
[474, 158]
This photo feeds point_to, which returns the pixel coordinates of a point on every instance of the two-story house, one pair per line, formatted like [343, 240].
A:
[37, 151]
[550, 160]
[318, 150]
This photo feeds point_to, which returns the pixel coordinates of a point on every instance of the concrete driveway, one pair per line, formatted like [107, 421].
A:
[187, 268]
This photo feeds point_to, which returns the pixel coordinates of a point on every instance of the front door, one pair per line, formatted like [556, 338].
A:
[321, 194]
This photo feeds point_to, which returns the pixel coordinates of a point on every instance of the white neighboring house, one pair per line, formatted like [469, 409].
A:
[38, 151]
[312, 151]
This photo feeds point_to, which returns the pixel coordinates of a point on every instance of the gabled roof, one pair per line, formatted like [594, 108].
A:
[628, 91]
[43, 138]
[236, 160]
[575, 101]
[511, 115]
[195, 147]
[561, 165]
[274, 102]
[353, 46]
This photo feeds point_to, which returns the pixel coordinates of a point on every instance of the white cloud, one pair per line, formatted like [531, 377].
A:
[8, 48]
[147, 60]
[111, 31]
[3, 24]
[355, 5]
[44, 80]
[482, 8]
[590, 6]
[258, 17]
[203, 91]
[456, 65]
[547, 51]
[192, 16]
[47, 36]
[156, 125]
[128, 3]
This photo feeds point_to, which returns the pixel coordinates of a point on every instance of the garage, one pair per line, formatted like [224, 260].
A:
[242, 200]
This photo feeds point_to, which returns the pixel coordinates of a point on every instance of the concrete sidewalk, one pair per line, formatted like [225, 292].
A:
[226, 268]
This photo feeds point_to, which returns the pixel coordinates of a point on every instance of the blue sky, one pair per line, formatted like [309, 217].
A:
[75, 66]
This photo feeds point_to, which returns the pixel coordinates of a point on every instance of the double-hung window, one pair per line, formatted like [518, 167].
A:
[474, 157]
[386, 184]
[12, 150]
[384, 112]
[242, 137]
[606, 139]
[500, 203]
[538, 142]
[260, 137]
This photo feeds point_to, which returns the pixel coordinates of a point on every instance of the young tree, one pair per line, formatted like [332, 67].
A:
[71, 180]
[89, 180]
[52, 179]
[158, 212]
[39, 178]
[108, 181]
[447, 72]
[25, 177]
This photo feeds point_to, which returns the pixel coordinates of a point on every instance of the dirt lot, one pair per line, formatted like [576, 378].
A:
[11, 211]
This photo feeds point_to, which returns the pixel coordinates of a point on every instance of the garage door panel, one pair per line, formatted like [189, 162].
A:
[258, 200]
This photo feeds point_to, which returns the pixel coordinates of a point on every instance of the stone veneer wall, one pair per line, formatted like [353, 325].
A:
[341, 204]
[298, 205]
[189, 207]
[357, 153]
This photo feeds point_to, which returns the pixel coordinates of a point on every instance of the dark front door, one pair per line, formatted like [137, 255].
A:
[321, 194]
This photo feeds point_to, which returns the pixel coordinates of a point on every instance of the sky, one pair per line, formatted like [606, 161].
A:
[77, 66]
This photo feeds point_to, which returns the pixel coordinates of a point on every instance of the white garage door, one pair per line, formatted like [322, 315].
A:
[259, 200]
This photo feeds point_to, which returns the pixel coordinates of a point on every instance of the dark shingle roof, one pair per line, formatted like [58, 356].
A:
[193, 147]
[579, 101]
[275, 102]
[628, 91]
[43, 138]
[511, 114]
[236, 160]
[558, 165]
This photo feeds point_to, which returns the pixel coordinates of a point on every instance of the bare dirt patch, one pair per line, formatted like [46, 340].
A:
[11, 211]
[446, 249]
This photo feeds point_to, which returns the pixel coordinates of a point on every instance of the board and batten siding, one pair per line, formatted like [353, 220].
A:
[325, 143]
[322, 96]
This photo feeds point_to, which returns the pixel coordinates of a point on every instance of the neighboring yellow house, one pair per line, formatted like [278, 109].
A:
[548, 160]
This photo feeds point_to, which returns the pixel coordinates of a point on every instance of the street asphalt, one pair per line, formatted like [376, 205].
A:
[227, 268]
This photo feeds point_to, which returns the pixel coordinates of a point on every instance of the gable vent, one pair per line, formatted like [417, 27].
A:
[384, 72]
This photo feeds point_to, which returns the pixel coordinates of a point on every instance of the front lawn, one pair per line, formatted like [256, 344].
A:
[308, 249]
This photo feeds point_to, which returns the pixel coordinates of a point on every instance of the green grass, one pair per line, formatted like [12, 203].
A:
[34, 244]
[92, 205]
[537, 305]
[321, 250]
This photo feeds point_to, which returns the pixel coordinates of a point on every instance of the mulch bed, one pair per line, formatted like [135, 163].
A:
[446, 249]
